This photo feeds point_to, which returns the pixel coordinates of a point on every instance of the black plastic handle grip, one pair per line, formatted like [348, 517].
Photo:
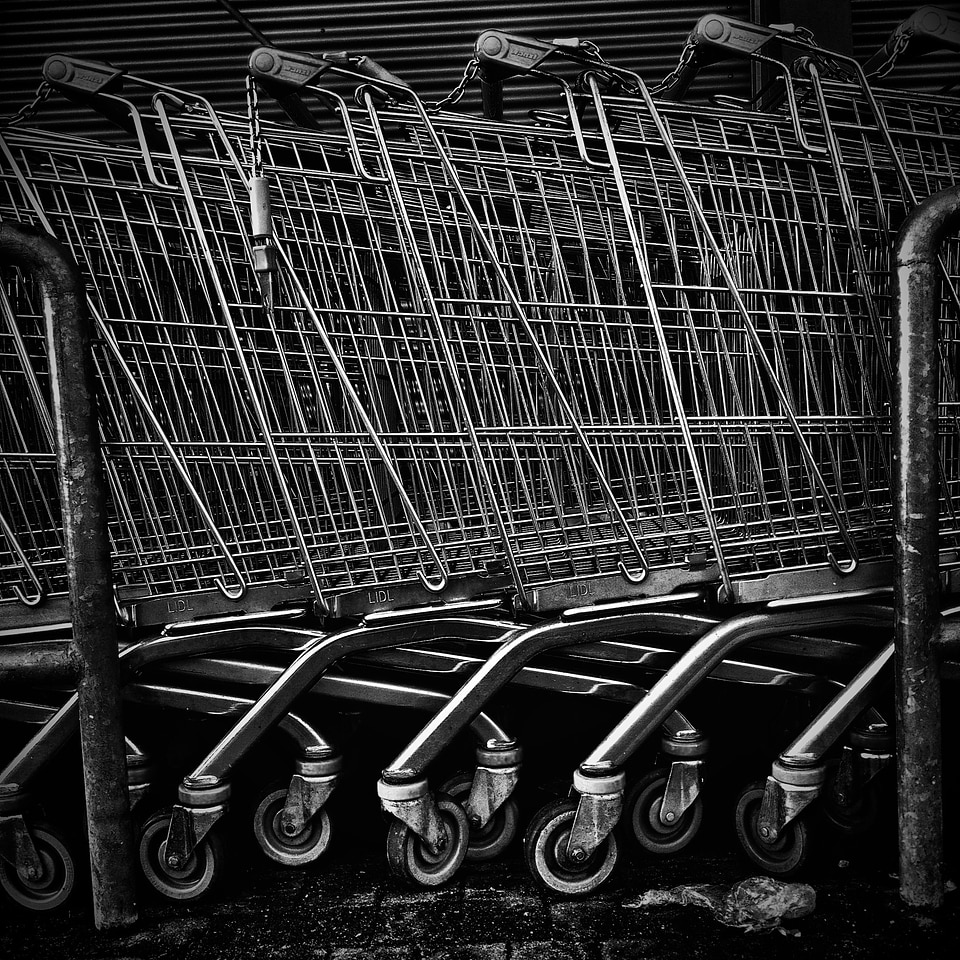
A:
[373, 70]
[713, 39]
[926, 29]
[505, 54]
[284, 70]
[82, 77]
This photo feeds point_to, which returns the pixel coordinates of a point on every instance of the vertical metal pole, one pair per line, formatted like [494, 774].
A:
[916, 301]
[83, 500]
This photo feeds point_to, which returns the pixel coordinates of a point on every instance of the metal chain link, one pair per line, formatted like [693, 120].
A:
[901, 44]
[686, 55]
[29, 110]
[456, 94]
[253, 118]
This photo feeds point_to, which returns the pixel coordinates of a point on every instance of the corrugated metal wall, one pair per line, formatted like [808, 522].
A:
[195, 44]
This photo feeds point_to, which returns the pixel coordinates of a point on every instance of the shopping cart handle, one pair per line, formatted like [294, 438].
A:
[283, 70]
[283, 74]
[715, 38]
[373, 70]
[98, 85]
[74, 76]
[927, 29]
[504, 55]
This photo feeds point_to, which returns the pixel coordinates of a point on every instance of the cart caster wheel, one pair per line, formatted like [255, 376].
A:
[486, 843]
[787, 854]
[57, 878]
[852, 816]
[642, 817]
[545, 850]
[189, 882]
[291, 851]
[409, 857]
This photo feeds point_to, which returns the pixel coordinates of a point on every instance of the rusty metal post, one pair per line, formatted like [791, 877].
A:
[916, 300]
[93, 614]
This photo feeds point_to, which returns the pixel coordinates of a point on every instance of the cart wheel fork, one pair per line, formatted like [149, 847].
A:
[203, 804]
[598, 812]
[496, 775]
[414, 805]
[18, 848]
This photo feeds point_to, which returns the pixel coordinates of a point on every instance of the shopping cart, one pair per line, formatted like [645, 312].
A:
[403, 784]
[70, 177]
[722, 190]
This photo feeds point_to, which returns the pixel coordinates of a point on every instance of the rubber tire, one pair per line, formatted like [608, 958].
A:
[409, 858]
[203, 870]
[784, 858]
[854, 819]
[296, 851]
[58, 882]
[490, 841]
[542, 845]
[641, 817]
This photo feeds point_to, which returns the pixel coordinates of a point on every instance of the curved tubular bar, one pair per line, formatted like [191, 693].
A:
[841, 567]
[828, 726]
[47, 741]
[517, 650]
[310, 666]
[454, 381]
[44, 661]
[40, 589]
[910, 195]
[916, 513]
[253, 390]
[337, 686]
[704, 655]
[356, 155]
[210, 704]
[83, 499]
[484, 728]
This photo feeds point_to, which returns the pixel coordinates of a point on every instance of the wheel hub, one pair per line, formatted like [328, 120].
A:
[36, 878]
[173, 865]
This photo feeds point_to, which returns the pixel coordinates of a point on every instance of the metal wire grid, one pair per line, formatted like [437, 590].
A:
[560, 233]
[249, 413]
[193, 503]
[391, 271]
[892, 150]
[31, 552]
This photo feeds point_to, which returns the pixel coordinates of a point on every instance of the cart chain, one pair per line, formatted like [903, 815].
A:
[900, 44]
[29, 110]
[253, 118]
[456, 94]
[686, 55]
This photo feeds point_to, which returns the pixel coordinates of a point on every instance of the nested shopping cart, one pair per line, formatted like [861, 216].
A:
[466, 358]
[403, 788]
[728, 179]
[139, 236]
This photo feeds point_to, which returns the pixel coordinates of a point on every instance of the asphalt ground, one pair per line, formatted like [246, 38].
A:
[347, 907]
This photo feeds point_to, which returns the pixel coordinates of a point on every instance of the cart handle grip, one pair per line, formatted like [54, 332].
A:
[929, 28]
[98, 84]
[285, 75]
[715, 38]
[502, 55]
